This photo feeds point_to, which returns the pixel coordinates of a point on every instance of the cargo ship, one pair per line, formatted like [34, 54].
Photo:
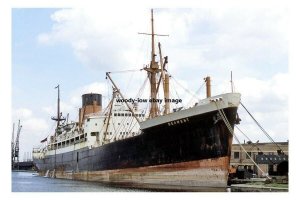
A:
[184, 149]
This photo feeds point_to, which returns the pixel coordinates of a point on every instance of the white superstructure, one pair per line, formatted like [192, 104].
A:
[96, 130]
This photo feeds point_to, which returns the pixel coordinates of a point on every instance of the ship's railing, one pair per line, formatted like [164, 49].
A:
[67, 135]
[68, 142]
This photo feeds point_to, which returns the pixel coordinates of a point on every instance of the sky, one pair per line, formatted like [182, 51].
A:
[258, 40]
[75, 47]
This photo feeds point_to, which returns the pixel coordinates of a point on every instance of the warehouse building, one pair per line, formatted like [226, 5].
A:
[271, 158]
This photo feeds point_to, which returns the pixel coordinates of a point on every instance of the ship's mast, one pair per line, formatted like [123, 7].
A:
[58, 118]
[165, 79]
[58, 105]
[153, 70]
[152, 40]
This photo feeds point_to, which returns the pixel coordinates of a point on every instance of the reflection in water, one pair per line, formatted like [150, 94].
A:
[31, 182]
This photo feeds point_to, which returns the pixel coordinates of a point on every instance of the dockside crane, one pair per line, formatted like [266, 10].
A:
[13, 147]
[16, 147]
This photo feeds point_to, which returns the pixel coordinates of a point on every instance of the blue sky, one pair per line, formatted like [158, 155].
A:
[37, 69]
[74, 47]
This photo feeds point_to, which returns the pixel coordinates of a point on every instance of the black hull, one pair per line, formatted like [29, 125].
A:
[191, 139]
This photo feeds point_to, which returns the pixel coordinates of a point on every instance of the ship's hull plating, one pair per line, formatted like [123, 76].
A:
[192, 152]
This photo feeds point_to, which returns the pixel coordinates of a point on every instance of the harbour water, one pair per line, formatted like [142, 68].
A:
[28, 181]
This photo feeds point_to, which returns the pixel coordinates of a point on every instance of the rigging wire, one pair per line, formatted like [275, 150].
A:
[125, 71]
[130, 79]
[263, 130]
[254, 145]
[187, 90]
[197, 92]
[174, 88]
[142, 88]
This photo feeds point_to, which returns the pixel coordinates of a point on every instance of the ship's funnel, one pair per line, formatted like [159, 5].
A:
[91, 103]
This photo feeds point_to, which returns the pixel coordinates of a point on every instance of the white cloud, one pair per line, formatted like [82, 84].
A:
[206, 40]
[96, 87]
[34, 127]
[255, 90]
[49, 109]
[96, 41]
[32, 124]
[267, 100]
[22, 113]
[70, 106]
[252, 42]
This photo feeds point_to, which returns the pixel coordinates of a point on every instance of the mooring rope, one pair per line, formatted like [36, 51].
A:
[224, 118]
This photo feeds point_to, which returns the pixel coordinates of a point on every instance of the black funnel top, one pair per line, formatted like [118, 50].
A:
[88, 99]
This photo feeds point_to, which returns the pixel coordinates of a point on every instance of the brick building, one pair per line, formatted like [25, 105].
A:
[271, 158]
